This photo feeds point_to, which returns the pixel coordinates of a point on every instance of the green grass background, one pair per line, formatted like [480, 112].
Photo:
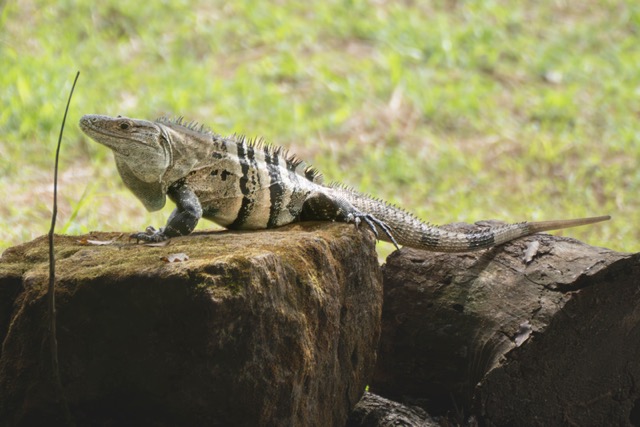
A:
[456, 110]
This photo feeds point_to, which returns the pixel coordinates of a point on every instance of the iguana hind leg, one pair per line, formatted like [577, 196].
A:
[320, 206]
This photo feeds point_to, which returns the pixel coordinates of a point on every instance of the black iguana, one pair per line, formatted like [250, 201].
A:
[249, 185]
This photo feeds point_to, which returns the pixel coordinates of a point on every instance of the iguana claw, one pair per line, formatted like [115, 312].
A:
[372, 222]
[150, 235]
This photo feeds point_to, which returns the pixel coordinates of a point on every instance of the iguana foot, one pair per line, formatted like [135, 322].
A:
[373, 224]
[150, 235]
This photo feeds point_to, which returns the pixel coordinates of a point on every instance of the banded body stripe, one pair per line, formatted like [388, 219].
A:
[251, 185]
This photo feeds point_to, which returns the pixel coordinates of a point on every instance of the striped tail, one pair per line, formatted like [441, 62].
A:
[410, 231]
[436, 239]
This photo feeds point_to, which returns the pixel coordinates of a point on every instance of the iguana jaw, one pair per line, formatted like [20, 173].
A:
[142, 146]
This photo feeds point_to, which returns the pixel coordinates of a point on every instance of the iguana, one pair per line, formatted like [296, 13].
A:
[249, 185]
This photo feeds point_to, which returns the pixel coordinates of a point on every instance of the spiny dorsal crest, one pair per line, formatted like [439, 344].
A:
[293, 163]
[191, 125]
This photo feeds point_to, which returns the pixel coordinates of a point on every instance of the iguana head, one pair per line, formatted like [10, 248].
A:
[142, 152]
[139, 143]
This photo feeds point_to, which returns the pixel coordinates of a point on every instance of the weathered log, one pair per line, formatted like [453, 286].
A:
[376, 411]
[255, 329]
[548, 326]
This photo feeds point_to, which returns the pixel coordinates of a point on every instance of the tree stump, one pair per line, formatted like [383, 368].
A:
[541, 331]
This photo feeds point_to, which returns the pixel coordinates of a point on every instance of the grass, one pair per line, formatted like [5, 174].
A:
[458, 111]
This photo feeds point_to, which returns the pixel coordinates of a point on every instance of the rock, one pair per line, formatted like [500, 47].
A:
[253, 329]
[551, 333]
[376, 411]
[584, 366]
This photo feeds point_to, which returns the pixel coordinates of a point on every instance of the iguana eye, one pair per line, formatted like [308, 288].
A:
[124, 125]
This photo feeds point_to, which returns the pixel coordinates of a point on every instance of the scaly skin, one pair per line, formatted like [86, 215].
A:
[249, 185]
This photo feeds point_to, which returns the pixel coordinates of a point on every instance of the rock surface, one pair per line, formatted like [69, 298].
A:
[376, 411]
[254, 329]
[552, 340]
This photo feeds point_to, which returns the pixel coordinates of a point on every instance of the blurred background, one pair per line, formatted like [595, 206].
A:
[454, 110]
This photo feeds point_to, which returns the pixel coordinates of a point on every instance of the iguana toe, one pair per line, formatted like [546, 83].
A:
[150, 235]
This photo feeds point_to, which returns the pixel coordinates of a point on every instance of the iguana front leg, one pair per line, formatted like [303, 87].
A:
[320, 206]
[182, 220]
